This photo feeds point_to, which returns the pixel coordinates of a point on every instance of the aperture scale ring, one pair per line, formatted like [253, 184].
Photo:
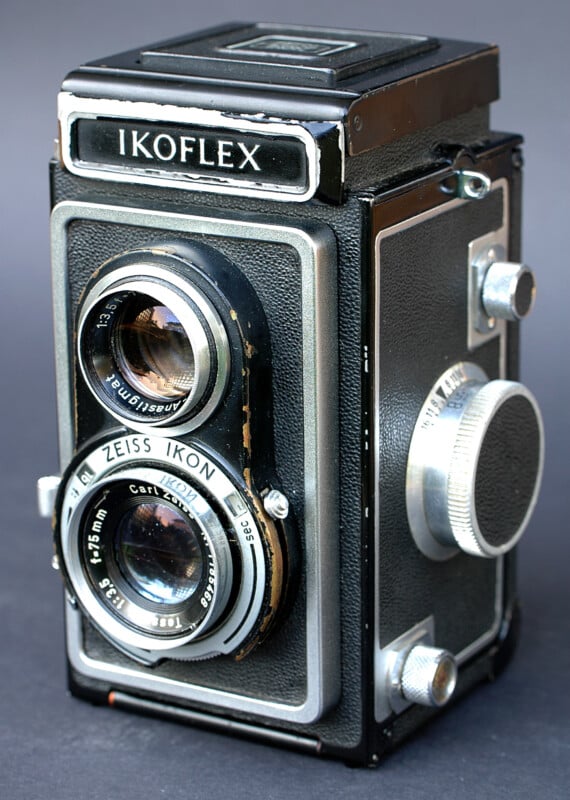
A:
[89, 561]
[193, 467]
[165, 283]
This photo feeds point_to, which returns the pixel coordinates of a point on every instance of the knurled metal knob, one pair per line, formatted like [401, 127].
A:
[508, 290]
[429, 676]
[474, 466]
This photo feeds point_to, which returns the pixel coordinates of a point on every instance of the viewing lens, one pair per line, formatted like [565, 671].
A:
[158, 553]
[152, 347]
[153, 350]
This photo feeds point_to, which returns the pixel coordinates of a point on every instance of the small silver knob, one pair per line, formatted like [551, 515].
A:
[508, 290]
[429, 676]
[47, 490]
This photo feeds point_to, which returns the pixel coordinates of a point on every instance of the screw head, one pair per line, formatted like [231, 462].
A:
[276, 504]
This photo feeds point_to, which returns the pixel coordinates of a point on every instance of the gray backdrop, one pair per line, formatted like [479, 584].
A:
[510, 739]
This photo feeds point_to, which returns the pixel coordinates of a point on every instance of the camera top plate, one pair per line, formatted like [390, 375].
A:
[381, 86]
[203, 111]
[287, 55]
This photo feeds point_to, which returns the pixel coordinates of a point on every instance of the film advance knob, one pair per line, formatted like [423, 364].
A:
[474, 466]
[429, 676]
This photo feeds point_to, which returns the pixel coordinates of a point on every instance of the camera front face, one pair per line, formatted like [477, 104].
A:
[193, 387]
[295, 456]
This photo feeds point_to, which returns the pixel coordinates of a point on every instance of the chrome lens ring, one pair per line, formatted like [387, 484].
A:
[108, 351]
[220, 516]
[153, 349]
[116, 597]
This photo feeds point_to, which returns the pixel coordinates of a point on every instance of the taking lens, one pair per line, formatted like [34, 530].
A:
[158, 553]
[161, 555]
[153, 350]
[156, 561]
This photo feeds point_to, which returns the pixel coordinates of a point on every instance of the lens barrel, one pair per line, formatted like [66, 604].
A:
[152, 348]
[161, 548]
[157, 564]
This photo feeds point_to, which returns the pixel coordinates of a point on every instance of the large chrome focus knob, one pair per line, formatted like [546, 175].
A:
[474, 465]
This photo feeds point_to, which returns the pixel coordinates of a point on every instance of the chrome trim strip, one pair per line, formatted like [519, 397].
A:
[478, 249]
[72, 108]
[121, 700]
[381, 703]
[488, 636]
[316, 248]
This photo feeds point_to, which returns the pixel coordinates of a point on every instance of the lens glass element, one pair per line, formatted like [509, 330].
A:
[158, 553]
[153, 350]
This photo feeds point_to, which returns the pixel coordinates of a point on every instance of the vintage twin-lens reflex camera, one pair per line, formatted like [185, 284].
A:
[295, 455]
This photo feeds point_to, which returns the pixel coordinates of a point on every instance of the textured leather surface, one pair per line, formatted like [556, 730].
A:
[423, 324]
[423, 332]
[507, 470]
[278, 669]
[90, 244]
[415, 151]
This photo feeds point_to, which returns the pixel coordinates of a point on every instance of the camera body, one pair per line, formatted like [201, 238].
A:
[295, 455]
